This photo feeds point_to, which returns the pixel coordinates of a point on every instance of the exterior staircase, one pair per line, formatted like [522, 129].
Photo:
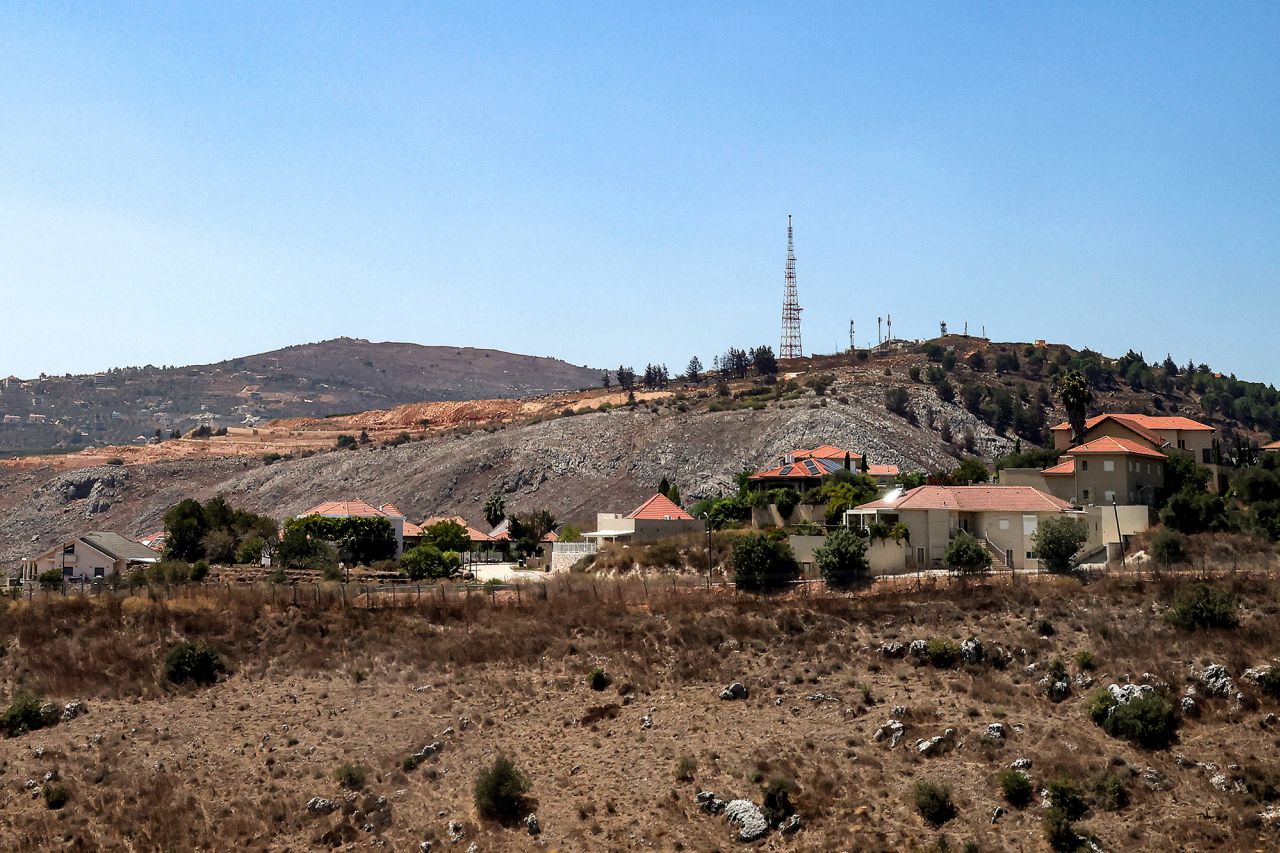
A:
[997, 556]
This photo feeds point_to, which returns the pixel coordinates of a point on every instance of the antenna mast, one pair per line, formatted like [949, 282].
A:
[790, 346]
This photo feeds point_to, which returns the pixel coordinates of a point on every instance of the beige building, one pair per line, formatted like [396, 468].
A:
[656, 518]
[1165, 432]
[1003, 518]
[94, 555]
[1107, 470]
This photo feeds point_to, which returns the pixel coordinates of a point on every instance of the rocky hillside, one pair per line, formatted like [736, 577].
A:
[574, 466]
[342, 375]
[573, 453]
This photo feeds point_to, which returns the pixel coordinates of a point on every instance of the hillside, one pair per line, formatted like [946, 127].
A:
[606, 458]
[342, 375]
[836, 708]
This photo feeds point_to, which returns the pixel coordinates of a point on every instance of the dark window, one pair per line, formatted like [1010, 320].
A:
[1206, 455]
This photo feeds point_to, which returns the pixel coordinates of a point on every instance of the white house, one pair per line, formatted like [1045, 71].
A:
[92, 555]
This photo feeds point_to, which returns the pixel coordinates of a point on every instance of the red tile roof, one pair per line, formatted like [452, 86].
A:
[1272, 445]
[882, 470]
[973, 499]
[1109, 444]
[826, 451]
[344, 509]
[392, 509]
[1143, 423]
[660, 508]
[1067, 467]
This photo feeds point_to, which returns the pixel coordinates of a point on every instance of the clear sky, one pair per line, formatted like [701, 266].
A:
[184, 182]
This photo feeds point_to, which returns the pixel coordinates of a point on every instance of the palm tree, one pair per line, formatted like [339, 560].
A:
[1076, 396]
[495, 509]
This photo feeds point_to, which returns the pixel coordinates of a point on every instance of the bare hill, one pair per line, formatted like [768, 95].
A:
[312, 380]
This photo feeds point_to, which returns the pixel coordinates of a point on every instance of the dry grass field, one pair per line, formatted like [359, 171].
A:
[312, 687]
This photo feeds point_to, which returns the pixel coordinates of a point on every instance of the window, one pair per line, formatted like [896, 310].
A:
[1031, 555]
[1182, 444]
[69, 548]
[1084, 464]
[1004, 524]
[1108, 465]
[1206, 455]
[99, 572]
[1086, 495]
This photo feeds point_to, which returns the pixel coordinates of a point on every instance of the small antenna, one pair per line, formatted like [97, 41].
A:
[852, 345]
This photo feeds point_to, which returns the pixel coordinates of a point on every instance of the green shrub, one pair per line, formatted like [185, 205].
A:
[685, 768]
[1066, 796]
[763, 565]
[193, 663]
[55, 795]
[1045, 628]
[410, 763]
[350, 776]
[1059, 832]
[1086, 661]
[599, 679]
[24, 715]
[965, 556]
[1100, 704]
[933, 802]
[1016, 788]
[1111, 794]
[842, 559]
[1269, 681]
[1168, 547]
[777, 805]
[1148, 721]
[942, 653]
[500, 791]
[51, 579]
[1057, 540]
[1200, 605]
[199, 571]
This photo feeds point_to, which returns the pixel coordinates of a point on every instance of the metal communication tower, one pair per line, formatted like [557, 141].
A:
[790, 346]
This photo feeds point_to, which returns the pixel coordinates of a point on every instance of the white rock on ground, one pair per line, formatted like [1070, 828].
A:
[747, 816]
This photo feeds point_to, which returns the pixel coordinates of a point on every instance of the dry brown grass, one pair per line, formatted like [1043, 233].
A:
[151, 768]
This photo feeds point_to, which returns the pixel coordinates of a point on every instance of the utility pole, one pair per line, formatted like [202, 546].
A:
[879, 335]
[852, 345]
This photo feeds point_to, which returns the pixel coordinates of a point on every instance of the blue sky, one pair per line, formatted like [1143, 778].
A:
[608, 183]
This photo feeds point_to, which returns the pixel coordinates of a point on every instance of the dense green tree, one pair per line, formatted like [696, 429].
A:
[447, 536]
[761, 564]
[764, 361]
[1057, 540]
[842, 559]
[425, 561]
[693, 370]
[965, 556]
[185, 527]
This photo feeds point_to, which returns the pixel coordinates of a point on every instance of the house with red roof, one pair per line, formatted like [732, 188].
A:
[480, 541]
[1271, 447]
[1105, 470]
[657, 518]
[1166, 433]
[361, 509]
[804, 469]
[1003, 518]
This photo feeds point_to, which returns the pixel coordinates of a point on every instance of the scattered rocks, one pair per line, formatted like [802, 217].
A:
[1256, 675]
[893, 730]
[455, 831]
[790, 825]
[1188, 705]
[996, 814]
[320, 805]
[747, 817]
[428, 750]
[1126, 693]
[822, 697]
[1020, 764]
[1217, 681]
[646, 722]
[72, 710]
[898, 711]
[1154, 779]
[893, 650]
[1269, 721]
[1057, 691]
[994, 732]
[531, 823]
[936, 744]
[971, 651]
[709, 803]
[918, 648]
[734, 691]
